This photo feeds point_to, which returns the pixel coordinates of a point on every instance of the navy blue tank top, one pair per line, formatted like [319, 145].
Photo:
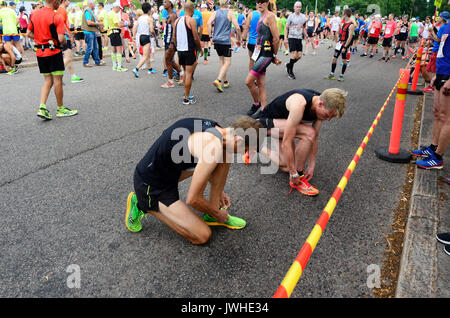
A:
[277, 108]
[159, 164]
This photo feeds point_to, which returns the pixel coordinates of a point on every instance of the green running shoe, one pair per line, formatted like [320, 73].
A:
[65, 112]
[341, 78]
[43, 113]
[121, 69]
[133, 216]
[76, 79]
[330, 77]
[114, 68]
[233, 222]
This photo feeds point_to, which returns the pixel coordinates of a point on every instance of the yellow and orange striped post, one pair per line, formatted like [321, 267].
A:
[393, 153]
[414, 90]
[298, 266]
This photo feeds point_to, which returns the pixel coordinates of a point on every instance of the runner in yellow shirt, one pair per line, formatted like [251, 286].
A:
[114, 23]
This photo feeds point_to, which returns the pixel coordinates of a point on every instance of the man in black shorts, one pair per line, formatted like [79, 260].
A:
[222, 20]
[188, 44]
[299, 114]
[191, 147]
[342, 46]
[295, 31]
[169, 46]
[47, 30]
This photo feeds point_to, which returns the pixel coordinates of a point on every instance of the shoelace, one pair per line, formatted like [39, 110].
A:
[298, 187]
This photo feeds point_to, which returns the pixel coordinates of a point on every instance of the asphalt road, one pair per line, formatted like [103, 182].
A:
[64, 184]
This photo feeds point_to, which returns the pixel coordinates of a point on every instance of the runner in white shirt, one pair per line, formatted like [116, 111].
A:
[335, 22]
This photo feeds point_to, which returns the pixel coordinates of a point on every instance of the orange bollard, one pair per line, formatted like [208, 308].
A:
[414, 90]
[393, 153]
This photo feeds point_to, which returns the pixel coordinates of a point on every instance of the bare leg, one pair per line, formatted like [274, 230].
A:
[58, 83]
[181, 219]
[250, 82]
[45, 91]
[444, 136]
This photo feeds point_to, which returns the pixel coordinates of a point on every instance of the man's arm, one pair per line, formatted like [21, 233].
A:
[350, 35]
[150, 24]
[202, 174]
[309, 172]
[246, 28]
[286, 31]
[296, 106]
[236, 24]
[210, 22]
[193, 25]
[8, 49]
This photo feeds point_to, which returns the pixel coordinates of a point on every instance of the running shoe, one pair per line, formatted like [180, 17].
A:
[190, 100]
[236, 49]
[168, 85]
[151, 71]
[428, 89]
[43, 113]
[286, 52]
[133, 215]
[387, 59]
[382, 59]
[363, 55]
[233, 222]
[136, 72]
[430, 162]
[13, 71]
[443, 238]
[371, 56]
[114, 68]
[121, 69]
[304, 187]
[218, 85]
[291, 76]
[165, 73]
[226, 84]
[330, 77]
[394, 56]
[65, 112]
[422, 152]
[76, 79]
[253, 109]
[341, 78]
[205, 62]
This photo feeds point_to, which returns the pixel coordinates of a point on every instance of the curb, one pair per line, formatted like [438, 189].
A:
[418, 266]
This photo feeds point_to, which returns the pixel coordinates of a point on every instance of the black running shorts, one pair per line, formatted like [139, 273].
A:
[440, 81]
[144, 39]
[372, 40]
[223, 49]
[50, 64]
[205, 38]
[343, 52]
[67, 46]
[149, 195]
[260, 66]
[115, 38]
[266, 122]
[251, 47]
[187, 57]
[79, 35]
[387, 42]
[295, 45]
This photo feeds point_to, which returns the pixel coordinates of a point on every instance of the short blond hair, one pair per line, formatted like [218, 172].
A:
[222, 3]
[335, 98]
[139, 13]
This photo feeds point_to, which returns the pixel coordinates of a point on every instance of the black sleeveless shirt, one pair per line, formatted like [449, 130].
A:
[160, 165]
[277, 108]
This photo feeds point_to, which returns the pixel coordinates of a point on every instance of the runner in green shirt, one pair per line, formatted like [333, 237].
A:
[281, 27]
[413, 37]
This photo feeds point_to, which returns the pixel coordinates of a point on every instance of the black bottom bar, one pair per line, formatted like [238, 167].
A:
[402, 156]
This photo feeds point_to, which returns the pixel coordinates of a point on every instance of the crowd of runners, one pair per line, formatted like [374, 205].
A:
[189, 34]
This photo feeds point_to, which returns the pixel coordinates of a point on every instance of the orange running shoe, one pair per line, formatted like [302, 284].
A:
[304, 187]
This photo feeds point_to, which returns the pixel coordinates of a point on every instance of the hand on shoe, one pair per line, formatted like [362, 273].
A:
[225, 201]
[309, 173]
[222, 217]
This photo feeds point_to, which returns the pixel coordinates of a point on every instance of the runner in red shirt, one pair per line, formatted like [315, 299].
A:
[47, 29]
[389, 32]
[374, 35]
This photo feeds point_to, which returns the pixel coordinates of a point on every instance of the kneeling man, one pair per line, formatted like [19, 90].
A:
[191, 147]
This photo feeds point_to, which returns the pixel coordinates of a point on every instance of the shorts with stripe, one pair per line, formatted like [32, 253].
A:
[260, 66]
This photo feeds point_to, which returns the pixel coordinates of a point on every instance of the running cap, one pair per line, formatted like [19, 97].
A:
[413, 19]
[12, 3]
[445, 15]
[116, 4]
[204, 6]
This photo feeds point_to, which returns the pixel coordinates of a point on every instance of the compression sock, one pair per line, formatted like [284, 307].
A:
[205, 53]
[113, 59]
[119, 60]
[344, 68]
[403, 51]
[432, 147]
[333, 68]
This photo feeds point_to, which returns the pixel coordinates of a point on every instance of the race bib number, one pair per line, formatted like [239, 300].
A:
[372, 31]
[403, 30]
[256, 52]
[387, 31]
[338, 46]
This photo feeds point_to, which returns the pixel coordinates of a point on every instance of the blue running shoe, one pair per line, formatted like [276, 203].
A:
[430, 162]
[151, 71]
[165, 73]
[423, 152]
